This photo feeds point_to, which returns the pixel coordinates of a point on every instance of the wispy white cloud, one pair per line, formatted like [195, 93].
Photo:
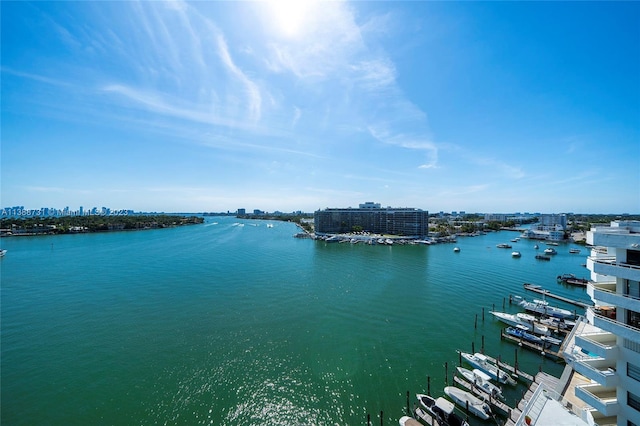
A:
[252, 91]
[408, 141]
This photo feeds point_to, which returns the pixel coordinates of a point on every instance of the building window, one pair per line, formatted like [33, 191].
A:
[633, 257]
[633, 401]
[630, 423]
[630, 344]
[633, 371]
[633, 319]
[633, 288]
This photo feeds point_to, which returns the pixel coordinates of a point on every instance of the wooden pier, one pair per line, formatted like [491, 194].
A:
[538, 289]
[544, 351]
[506, 367]
[494, 402]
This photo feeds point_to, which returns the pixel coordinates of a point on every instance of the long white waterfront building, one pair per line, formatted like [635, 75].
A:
[609, 345]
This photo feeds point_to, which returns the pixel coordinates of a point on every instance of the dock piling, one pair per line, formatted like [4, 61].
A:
[429, 385]
[446, 373]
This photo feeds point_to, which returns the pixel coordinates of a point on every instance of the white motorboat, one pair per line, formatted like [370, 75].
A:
[542, 307]
[503, 245]
[3, 252]
[515, 254]
[467, 400]
[481, 381]
[522, 333]
[522, 319]
[550, 251]
[440, 409]
[483, 364]
[456, 249]
[408, 421]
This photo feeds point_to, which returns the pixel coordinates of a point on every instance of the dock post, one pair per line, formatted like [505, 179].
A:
[475, 324]
[494, 307]
[483, 314]
[381, 417]
[473, 349]
[516, 363]
[368, 419]
[429, 385]
[482, 347]
[503, 302]
[446, 373]
[408, 409]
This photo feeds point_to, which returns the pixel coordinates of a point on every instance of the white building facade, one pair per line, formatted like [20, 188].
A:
[610, 355]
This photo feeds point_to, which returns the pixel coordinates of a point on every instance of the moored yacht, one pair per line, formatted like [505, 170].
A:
[482, 363]
[522, 319]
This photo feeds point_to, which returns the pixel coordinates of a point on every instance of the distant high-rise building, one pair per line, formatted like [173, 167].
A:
[242, 212]
[373, 218]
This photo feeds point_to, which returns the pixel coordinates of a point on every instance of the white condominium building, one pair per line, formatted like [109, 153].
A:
[610, 344]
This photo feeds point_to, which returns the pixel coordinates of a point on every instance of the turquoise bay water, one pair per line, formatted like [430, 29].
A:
[245, 325]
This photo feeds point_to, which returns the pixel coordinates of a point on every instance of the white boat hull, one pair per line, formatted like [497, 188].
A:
[480, 362]
[464, 399]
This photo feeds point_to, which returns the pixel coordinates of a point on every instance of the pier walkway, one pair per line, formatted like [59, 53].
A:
[548, 352]
[538, 289]
[541, 378]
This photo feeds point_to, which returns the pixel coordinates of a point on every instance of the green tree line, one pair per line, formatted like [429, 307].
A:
[94, 223]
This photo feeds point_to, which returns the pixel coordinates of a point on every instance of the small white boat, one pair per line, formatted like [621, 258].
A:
[503, 245]
[481, 381]
[408, 421]
[574, 250]
[465, 399]
[515, 254]
[440, 409]
[550, 251]
[456, 249]
[269, 225]
[542, 307]
[483, 364]
[522, 319]
[536, 247]
[3, 252]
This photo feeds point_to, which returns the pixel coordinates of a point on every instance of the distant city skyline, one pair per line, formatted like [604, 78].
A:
[278, 105]
[25, 211]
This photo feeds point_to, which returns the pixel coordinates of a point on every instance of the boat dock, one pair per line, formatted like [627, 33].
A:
[506, 367]
[495, 403]
[538, 289]
[548, 352]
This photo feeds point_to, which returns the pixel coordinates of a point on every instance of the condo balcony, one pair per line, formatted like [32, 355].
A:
[604, 294]
[601, 344]
[599, 370]
[608, 265]
[613, 326]
[613, 237]
[602, 398]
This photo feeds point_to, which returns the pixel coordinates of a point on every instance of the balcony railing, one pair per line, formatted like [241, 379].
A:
[615, 327]
[599, 371]
[611, 260]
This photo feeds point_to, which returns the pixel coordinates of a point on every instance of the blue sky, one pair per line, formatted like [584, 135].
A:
[289, 105]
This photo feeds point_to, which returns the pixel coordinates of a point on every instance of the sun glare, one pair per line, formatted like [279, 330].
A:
[290, 16]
